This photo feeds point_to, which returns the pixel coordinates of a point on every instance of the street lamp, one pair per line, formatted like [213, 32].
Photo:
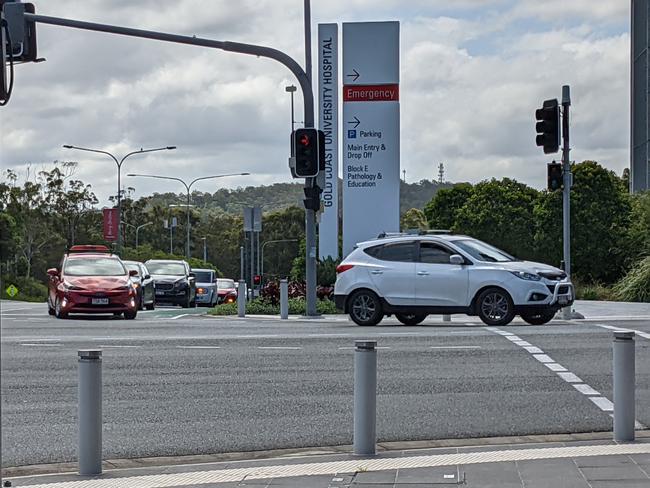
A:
[119, 168]
[291, 89]
[272, 242]
[137, 230]
[205, 250]
[187, 187]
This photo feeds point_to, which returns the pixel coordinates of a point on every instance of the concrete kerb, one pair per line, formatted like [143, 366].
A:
[385, 448]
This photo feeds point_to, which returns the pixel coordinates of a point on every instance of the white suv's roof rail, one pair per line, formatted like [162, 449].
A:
[385, 235]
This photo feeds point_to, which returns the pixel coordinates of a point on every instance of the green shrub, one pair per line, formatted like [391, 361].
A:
[593, 291]
[263, 306]
[29, 289]
[635, 285]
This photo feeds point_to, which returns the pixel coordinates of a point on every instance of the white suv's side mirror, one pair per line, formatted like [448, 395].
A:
[456, 259]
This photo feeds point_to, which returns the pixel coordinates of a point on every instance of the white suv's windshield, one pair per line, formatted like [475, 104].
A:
[484, 252]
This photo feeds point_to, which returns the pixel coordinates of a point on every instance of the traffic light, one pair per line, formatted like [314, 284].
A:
[257, 279]
[306, 151]
[548, 126]
[554, 176]
[312, 200]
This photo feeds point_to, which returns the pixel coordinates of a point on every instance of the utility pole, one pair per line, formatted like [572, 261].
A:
[566, 193]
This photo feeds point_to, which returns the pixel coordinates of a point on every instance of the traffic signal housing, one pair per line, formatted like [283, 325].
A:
[257, 279]
[306, 152]
[312, 200]
[548, 126]
[554, 176]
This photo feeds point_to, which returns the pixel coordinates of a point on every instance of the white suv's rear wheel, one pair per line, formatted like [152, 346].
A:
[495, 307]
[365, 308]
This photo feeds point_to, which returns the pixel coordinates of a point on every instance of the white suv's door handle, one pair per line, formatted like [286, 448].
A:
[377, 271]
[423, 273]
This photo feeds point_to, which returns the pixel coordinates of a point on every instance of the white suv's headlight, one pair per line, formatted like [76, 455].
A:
[526, 276]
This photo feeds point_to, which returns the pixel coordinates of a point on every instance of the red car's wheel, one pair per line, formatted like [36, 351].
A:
[58, 312]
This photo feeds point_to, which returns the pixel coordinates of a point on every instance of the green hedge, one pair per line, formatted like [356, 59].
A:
[262, 306]
[29, 289]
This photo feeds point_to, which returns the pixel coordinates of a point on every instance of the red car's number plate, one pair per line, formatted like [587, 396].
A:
[100, 301]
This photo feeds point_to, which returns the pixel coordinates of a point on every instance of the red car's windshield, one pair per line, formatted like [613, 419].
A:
[94, 267]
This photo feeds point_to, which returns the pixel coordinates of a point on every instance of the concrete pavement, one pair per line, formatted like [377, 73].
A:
[562, 462]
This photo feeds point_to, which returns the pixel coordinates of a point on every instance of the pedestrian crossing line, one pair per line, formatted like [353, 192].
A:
[593, 395]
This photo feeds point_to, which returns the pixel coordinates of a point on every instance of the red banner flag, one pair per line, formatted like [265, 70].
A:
[110, 224]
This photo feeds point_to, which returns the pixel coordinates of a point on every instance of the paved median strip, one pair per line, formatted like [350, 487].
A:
[596, 398]
[237, 475]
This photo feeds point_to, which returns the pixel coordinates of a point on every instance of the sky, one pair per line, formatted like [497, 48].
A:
[472, 74]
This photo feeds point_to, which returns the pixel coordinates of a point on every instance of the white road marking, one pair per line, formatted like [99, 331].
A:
[179, 316]
[555, 367]
[569, 377]
[586, 390]
[455, 347]
[603, 403]
[198, 347]
[41, 344]
[600, 401]
[543, 358]
[639, 333]
[513, 338]
[522, 343]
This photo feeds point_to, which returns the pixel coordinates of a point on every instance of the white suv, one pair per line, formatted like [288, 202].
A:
[413, 276]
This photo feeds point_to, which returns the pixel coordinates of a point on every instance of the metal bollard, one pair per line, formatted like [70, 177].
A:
[446, 318]
[365, 398]
[241, 299]
[284, 299]
[90, 412]
[624, 383]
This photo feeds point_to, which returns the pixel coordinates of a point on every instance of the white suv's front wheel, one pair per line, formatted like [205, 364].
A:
[365, 308]
[495, 307]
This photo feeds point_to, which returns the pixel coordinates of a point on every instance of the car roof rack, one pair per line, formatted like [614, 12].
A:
[88, 248]
[414, 232]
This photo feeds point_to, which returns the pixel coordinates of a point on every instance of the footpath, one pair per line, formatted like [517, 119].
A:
[591, 460]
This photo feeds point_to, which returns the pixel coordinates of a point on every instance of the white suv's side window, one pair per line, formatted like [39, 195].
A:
[433, 253]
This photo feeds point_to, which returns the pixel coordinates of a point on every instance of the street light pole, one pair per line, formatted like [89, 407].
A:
[271, 242]
[205, 250]
[291, 89]
[188, 188]
[119, 171]
[137, 230]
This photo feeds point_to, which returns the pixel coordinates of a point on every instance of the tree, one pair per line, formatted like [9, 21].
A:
[600, 211]
[414, 218]
[442, 208]
[500, 212]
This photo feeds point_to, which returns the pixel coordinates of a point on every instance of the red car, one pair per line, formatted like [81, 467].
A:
[226, 291]
[91, 280]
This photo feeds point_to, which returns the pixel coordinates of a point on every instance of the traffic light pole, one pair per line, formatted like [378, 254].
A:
[262, 51]
[566, 194]
[310, 214]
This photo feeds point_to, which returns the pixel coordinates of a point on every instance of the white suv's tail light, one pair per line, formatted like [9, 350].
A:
[343, 267]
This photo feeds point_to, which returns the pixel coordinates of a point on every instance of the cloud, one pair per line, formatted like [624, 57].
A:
[473, 72]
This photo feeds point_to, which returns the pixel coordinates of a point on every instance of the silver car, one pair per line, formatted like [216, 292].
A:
[206, 287]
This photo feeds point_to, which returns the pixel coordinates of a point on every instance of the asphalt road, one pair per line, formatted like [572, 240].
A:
[178, 383]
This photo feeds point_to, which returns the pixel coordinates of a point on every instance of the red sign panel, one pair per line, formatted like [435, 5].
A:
[111, 219]
[371, 93]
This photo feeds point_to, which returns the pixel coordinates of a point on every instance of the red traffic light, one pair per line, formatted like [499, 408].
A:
[257, 279]
[305, 140]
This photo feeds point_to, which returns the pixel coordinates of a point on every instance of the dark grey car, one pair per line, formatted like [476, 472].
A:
[143, 284]
[174, 280]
